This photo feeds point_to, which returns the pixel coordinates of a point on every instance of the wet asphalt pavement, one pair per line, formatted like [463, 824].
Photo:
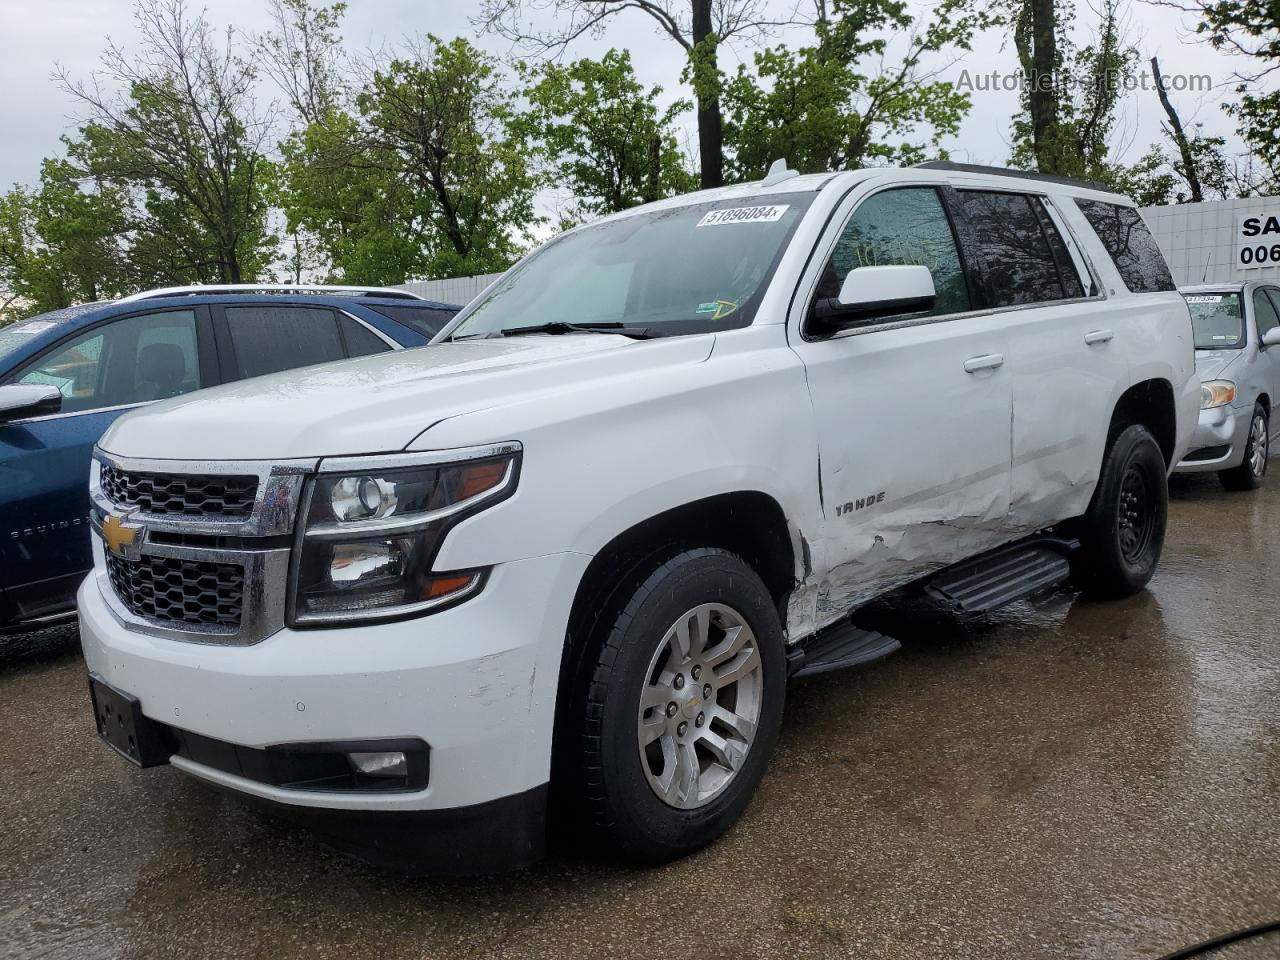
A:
[1063, 779]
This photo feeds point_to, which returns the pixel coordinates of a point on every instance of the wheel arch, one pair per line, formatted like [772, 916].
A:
[1150, 403]
[748, 523]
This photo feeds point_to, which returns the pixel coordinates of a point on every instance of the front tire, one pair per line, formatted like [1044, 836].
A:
[1122, 534]
[683, 707]
[1253, 469]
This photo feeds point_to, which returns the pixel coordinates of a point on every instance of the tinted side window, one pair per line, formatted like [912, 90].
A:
[428, 321]
[1132, 248]
[133, 360]
[1067, 273]
[270, 338]
[1018, 263]
[361, 341]
[1264, 312]
[907, 226]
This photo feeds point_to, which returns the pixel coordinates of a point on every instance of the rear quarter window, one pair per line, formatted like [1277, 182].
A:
[1133, 250]
[427, 321]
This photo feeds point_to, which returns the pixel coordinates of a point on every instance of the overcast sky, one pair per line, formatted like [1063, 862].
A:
[34, 112]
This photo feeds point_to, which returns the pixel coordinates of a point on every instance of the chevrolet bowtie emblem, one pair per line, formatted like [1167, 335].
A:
[120, 536]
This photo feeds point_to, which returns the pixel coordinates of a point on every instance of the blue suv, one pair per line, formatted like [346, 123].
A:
[64, 376]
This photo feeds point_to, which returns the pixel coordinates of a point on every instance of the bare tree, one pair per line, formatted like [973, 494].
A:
[302, 54]
[1178, 135]
[176, 121]
[1248, 30]
[698, 26]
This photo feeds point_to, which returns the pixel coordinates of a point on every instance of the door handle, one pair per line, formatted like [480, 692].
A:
[1098, 336]
[988, 361]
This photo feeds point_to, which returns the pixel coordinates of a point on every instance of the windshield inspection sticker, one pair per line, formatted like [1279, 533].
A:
[717, 308]
[767, 214]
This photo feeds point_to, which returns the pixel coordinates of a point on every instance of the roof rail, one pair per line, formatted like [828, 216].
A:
[1021, 174]
[317, 289]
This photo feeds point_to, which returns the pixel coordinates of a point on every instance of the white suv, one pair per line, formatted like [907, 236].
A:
[575, 548]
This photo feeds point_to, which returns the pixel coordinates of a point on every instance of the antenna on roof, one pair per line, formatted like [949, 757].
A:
[1207, 260]
[778, 171]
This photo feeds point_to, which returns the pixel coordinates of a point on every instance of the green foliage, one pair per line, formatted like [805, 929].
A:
[1259, 118]
[699, 27]
[1250, 29]
[354, 216]
[424, 176]
[601, 135]
[1160, 176]
[702, 69]
[837, 105]
[429, 164]
[1152, 181]
[63, 243]
[439, 123]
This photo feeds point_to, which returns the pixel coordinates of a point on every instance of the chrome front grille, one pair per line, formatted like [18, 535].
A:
[191, 495]
[172, 590]
[195, 551]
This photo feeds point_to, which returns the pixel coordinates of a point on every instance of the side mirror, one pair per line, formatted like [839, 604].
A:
[1271, 338]
[21, 400]
[871, 292]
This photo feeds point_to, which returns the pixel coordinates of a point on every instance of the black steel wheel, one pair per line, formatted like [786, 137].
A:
[1122, 534]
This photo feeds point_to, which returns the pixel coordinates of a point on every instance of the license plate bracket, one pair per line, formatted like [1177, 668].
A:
[123, 728]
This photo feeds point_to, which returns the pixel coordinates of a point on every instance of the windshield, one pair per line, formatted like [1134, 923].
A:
[1217, 320]
[692, 269]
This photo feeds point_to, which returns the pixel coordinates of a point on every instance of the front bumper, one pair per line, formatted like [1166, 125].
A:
[1218, 441]
[476, 683]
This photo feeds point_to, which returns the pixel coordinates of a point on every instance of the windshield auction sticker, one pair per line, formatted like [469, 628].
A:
[767, 214]
[1205, 298]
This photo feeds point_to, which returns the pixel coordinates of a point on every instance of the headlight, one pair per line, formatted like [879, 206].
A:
[1216, 393]
[373, 525]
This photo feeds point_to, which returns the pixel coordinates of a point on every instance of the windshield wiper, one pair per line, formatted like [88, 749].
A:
[560, 326]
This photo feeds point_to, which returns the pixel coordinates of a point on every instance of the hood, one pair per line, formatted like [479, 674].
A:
[380, 403]
[1212, 364]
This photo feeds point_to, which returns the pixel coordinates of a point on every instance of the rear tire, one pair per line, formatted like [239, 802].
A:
[1253, 468]
[662, 768]
[1122, 534]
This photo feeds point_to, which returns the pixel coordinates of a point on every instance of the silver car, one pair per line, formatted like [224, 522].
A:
[1237, 331]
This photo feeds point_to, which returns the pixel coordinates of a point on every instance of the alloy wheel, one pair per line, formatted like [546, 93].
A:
[700, 705]
[1258, 445]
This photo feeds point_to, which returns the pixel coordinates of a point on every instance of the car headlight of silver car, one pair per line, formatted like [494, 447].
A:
[372, 527]
[1216, 393]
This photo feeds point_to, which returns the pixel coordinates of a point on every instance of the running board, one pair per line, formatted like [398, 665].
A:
[836, 648]
[996, 579]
